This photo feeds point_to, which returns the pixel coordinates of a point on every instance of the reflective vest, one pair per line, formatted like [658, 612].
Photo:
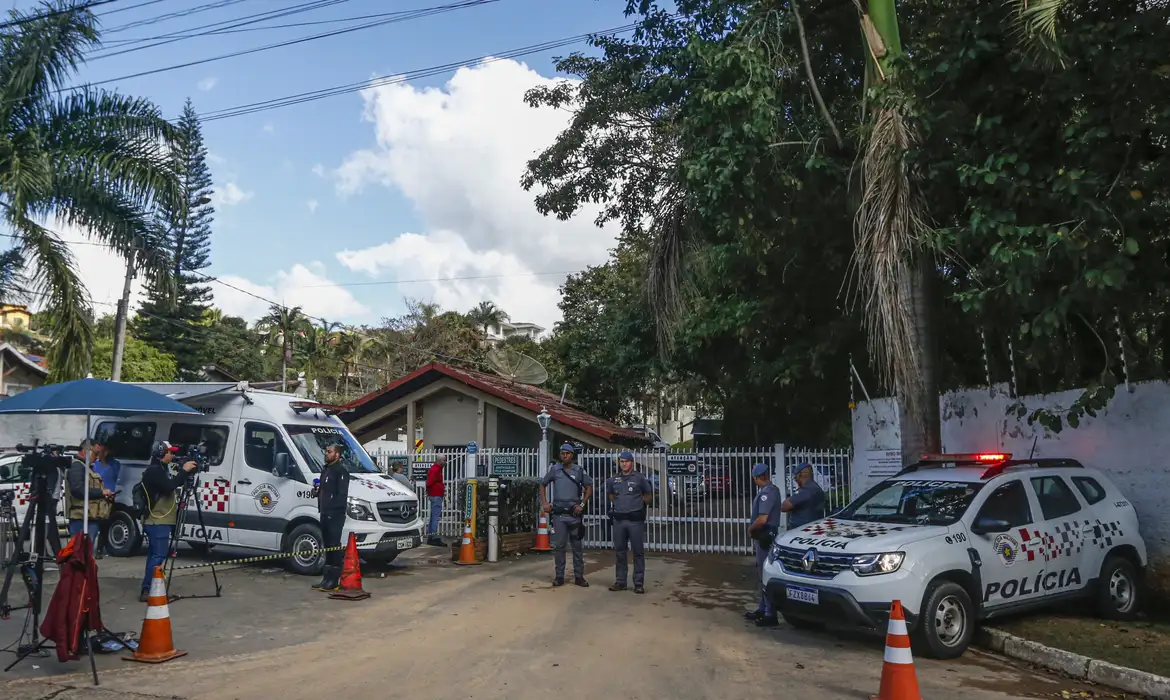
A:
[99, 508]
[160, 511]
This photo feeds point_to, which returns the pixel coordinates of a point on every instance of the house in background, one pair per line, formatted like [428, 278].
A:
[15, 317]
[456, 406]
[20, 372]
[500, 333]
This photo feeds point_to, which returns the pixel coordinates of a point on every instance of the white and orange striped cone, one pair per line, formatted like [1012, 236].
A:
[156, 644]
[467, 547]
[899, 681]
[543, 544]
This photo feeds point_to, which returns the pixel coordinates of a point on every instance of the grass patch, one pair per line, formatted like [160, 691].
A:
[1142, 645]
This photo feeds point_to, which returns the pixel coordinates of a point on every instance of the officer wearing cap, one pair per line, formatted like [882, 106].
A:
[764, 525]
[572, 489]
[807, 504]
[629, 493]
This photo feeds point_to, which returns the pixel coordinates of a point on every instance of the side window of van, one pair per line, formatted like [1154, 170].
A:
[261, 445]
[10, 472]
[214, 436]
[133, 440]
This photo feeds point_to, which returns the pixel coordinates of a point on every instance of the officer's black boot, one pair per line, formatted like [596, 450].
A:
[334, 581]
[754, 615]
[580, 581]
[618, 587]
[322, 584]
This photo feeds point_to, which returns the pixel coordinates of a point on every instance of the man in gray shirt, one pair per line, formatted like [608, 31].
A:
[807, 504]
[629, 492]
[572, 488]
[764, 525]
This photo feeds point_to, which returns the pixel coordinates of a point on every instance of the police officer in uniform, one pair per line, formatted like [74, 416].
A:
[629, 493]
[763, 528]
[332, 501]
[807, 504]
[572, 488]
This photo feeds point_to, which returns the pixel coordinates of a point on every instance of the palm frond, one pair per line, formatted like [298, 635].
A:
[42, 53]
[667, 282]
[1036, 22]
[890, 229]
[67, 302]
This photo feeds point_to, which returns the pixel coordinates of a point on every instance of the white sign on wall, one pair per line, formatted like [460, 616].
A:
[874, 467]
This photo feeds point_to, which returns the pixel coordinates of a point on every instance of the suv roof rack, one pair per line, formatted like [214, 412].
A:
[997, 462]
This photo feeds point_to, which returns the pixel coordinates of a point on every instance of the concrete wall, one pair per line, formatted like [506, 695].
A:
[1129, 441]
[449, 418]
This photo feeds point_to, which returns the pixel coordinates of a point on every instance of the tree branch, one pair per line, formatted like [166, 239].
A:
[812, 80]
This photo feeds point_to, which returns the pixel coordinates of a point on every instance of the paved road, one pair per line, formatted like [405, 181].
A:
[433, 630]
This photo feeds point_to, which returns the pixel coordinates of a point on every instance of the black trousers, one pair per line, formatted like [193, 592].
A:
[331, 526]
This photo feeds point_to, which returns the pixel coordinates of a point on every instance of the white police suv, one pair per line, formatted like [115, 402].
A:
[959, 539]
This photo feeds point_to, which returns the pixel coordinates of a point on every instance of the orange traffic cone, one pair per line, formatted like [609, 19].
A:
[156, 644]
[351, 574]
[542, 542]
[467, 547]
[899, 682]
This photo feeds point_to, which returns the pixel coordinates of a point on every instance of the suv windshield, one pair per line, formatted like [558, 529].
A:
[311, 441]
[913, 502]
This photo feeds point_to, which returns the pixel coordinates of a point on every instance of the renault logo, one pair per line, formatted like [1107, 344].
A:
[809, 561]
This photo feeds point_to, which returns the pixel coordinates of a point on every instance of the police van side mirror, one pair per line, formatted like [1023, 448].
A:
[281, 466]
[990, 526]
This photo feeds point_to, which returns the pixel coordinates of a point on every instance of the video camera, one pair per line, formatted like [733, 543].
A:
[196, 453]
[49, 461]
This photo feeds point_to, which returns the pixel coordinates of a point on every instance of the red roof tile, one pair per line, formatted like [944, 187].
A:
[522, 395]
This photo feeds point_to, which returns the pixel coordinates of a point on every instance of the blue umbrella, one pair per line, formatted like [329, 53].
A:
[90, 396]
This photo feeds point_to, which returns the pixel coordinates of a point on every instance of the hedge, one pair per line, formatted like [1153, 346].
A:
[519, 505]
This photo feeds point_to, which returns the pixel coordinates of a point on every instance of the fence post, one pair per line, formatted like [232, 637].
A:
[493, 544]
[780, 478]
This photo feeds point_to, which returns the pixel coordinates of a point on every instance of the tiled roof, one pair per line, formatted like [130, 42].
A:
[521, 395]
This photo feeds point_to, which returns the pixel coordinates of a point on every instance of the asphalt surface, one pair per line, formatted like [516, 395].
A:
[435, 630]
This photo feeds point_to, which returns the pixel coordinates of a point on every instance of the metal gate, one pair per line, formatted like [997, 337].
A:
[702, 500]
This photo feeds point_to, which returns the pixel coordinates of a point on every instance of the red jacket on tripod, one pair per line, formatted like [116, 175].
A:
[76, 602]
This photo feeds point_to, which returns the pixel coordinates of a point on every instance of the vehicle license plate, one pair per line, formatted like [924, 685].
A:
[405, 544]
[804, 595]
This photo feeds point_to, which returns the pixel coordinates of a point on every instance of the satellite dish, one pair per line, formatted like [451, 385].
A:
[516, 367]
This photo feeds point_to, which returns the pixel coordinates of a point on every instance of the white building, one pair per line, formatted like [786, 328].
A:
[500, 333]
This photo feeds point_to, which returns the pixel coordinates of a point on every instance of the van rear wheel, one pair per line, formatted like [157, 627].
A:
[304, 544]
[124, 537]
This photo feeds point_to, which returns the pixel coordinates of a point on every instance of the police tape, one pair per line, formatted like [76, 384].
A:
[273, 557]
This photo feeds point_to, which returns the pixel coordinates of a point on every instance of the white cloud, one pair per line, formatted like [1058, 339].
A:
[306, 286]
[458, 153]
[101, 270]
[313, 206]
[208, 84]
[319, 170]
[229, 194]
[268, 129]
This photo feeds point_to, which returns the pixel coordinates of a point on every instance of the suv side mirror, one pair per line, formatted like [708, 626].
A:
[989, 526]
[281, 466]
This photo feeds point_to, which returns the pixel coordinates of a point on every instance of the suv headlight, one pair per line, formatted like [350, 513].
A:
[874, 564]
[359, 510]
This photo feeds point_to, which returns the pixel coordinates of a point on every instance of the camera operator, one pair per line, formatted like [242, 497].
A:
[80, 478]
[158, 521]
[332, 501]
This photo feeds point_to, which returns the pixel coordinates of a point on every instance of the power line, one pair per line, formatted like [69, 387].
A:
[170, 15]
[54, 13]
[227, 24]
[312, 96]
[132, 7]
[379, 283]
[282, 44]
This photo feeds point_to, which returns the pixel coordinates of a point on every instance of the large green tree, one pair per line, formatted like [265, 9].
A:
[88, 158]
[174, 304]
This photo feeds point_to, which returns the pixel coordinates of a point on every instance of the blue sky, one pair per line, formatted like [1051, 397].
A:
[413, 181]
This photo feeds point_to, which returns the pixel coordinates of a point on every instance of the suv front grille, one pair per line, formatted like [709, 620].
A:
[398, 512]
[827, 565]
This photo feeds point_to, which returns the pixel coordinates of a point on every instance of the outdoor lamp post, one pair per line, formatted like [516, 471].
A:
[543, 419]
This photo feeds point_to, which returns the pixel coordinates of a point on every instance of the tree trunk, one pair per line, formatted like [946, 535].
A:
[921, 433]
[120, 324]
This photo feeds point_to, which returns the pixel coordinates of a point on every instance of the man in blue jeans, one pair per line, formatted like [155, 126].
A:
[162, 509]
[436, 490]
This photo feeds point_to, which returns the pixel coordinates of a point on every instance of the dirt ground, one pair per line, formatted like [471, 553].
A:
[437, 631]
[1141, 645]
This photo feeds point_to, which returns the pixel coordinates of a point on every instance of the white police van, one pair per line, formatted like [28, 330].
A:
[959, 539]
[264, 449]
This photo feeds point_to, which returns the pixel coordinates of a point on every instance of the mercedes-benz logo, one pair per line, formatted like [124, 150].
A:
[809, 561]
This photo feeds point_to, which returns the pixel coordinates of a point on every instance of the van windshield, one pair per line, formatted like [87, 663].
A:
[311, 441]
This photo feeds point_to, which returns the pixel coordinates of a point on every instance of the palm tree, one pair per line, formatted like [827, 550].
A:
[281, 326]
[486, 315]
[320, 348]
[88, 158]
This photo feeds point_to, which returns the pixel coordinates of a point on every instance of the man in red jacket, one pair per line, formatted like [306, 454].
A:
[436, 489]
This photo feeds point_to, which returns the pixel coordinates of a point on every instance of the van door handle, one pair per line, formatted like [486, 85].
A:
[244, 482]
[220, 481]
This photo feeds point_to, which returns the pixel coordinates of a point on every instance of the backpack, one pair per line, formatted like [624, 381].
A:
[140, 499]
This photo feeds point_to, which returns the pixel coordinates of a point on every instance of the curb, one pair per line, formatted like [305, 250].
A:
[1079, 667]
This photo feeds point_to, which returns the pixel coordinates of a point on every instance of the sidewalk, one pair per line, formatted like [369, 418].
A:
[44, 690]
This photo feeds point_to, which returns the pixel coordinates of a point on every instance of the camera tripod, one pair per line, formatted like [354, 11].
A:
[32, 568]
[189, 492]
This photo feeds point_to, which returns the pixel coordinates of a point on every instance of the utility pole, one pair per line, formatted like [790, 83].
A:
[123, 313]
